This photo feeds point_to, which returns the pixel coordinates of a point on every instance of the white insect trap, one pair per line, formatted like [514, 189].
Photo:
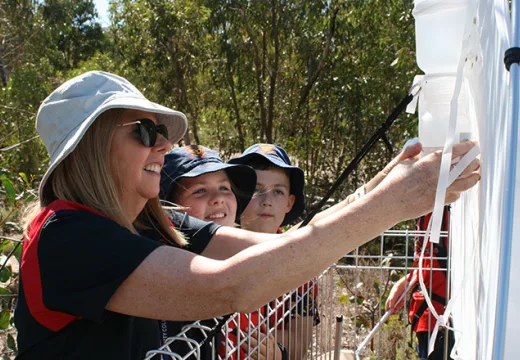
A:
[439, 29]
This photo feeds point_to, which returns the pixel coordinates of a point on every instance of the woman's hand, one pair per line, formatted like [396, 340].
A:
[412, 183]
[268, 348]
[411, 149]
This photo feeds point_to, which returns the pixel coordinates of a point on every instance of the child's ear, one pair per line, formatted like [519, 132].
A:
[290, 202]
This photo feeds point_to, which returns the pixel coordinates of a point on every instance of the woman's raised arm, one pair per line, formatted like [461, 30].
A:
[174, 284]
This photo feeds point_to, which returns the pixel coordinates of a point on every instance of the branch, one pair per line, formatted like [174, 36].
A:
[17, 109]
[273, 76]
[11, 147]
[312, 79]
[258, 66]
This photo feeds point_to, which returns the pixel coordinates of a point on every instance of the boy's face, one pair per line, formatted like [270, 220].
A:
[271, 201]
[208, 197]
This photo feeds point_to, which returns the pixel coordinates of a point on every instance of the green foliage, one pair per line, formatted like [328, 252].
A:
[72, 33]
[316, 77]
[8, 187]
[343, 299]
[11, 343]
[5, 274]
[5, 317]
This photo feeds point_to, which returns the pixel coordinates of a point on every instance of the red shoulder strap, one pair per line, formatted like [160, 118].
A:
[30, 268]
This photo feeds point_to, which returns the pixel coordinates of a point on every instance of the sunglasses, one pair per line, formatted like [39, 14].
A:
[148, 131]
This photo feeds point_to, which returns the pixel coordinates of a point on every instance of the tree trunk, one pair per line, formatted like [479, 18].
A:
[182, 96]
[258, 72]
[231, 83]
[312, 79]
[274, 74]
[3, 70]
[304, 94]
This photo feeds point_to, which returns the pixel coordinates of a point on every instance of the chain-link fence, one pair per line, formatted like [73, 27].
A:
[338, 315]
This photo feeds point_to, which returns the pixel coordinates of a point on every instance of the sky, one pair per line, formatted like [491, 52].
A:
[102, 9]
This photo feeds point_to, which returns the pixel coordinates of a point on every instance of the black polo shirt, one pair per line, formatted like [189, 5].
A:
[198, 233]
[73, 261]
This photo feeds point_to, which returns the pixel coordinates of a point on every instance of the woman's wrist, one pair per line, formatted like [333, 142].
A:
[360, 192]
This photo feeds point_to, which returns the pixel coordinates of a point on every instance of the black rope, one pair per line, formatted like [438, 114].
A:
[214, 331]
[380, 133]
[388, 144]
[511, 56]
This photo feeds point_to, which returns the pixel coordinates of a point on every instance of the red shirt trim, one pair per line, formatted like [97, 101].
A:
[30, 268]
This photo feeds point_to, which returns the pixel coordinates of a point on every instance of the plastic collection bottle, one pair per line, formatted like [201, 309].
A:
[434, 111]
[439, 30]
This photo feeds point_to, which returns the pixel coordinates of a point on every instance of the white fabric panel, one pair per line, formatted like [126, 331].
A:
[476, 219]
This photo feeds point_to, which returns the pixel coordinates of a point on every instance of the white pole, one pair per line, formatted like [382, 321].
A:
[508, 218]
[383, 319]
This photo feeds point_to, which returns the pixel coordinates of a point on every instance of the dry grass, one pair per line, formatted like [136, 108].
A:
[357, 297]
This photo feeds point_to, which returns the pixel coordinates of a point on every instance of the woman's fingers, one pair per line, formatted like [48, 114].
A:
[473, 166]
[462, 148]
[260, 345]
[460, 185]
[250, 344]
[396, 292]
[410, 151]
[263, 328]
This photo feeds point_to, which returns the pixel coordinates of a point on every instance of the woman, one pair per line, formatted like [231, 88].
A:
[91, 287]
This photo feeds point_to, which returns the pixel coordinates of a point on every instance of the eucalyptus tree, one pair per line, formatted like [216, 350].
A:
[162, 44]
[41, 41]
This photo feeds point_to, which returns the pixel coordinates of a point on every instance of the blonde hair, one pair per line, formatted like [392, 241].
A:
[85, 177]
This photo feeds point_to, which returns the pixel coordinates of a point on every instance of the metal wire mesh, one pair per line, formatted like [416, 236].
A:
[326, 318]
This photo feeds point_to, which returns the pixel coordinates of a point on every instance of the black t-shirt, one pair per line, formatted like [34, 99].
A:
[198, 233]
[73, 261]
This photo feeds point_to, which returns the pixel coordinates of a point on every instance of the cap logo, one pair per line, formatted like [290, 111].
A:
[266, 149]
[195, 151]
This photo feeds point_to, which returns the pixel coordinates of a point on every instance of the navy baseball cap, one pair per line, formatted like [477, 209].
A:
[195, 160]
[278, 156]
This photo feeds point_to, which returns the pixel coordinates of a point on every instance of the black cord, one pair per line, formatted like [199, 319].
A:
[213, 332]
[362, 153]
[283, 350]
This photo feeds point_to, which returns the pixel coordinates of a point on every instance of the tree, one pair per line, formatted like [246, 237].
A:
[40, 43]
[73, 34]
[163, 43]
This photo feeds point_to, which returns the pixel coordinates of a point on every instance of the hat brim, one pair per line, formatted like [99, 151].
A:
[175, 121]
[243, 178]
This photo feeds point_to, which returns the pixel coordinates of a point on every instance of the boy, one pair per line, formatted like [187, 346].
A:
[278, 201]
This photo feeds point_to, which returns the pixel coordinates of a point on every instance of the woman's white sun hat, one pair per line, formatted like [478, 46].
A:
[67, 113]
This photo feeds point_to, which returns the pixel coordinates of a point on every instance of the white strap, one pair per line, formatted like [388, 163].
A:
[417, 84]
[446, 178]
